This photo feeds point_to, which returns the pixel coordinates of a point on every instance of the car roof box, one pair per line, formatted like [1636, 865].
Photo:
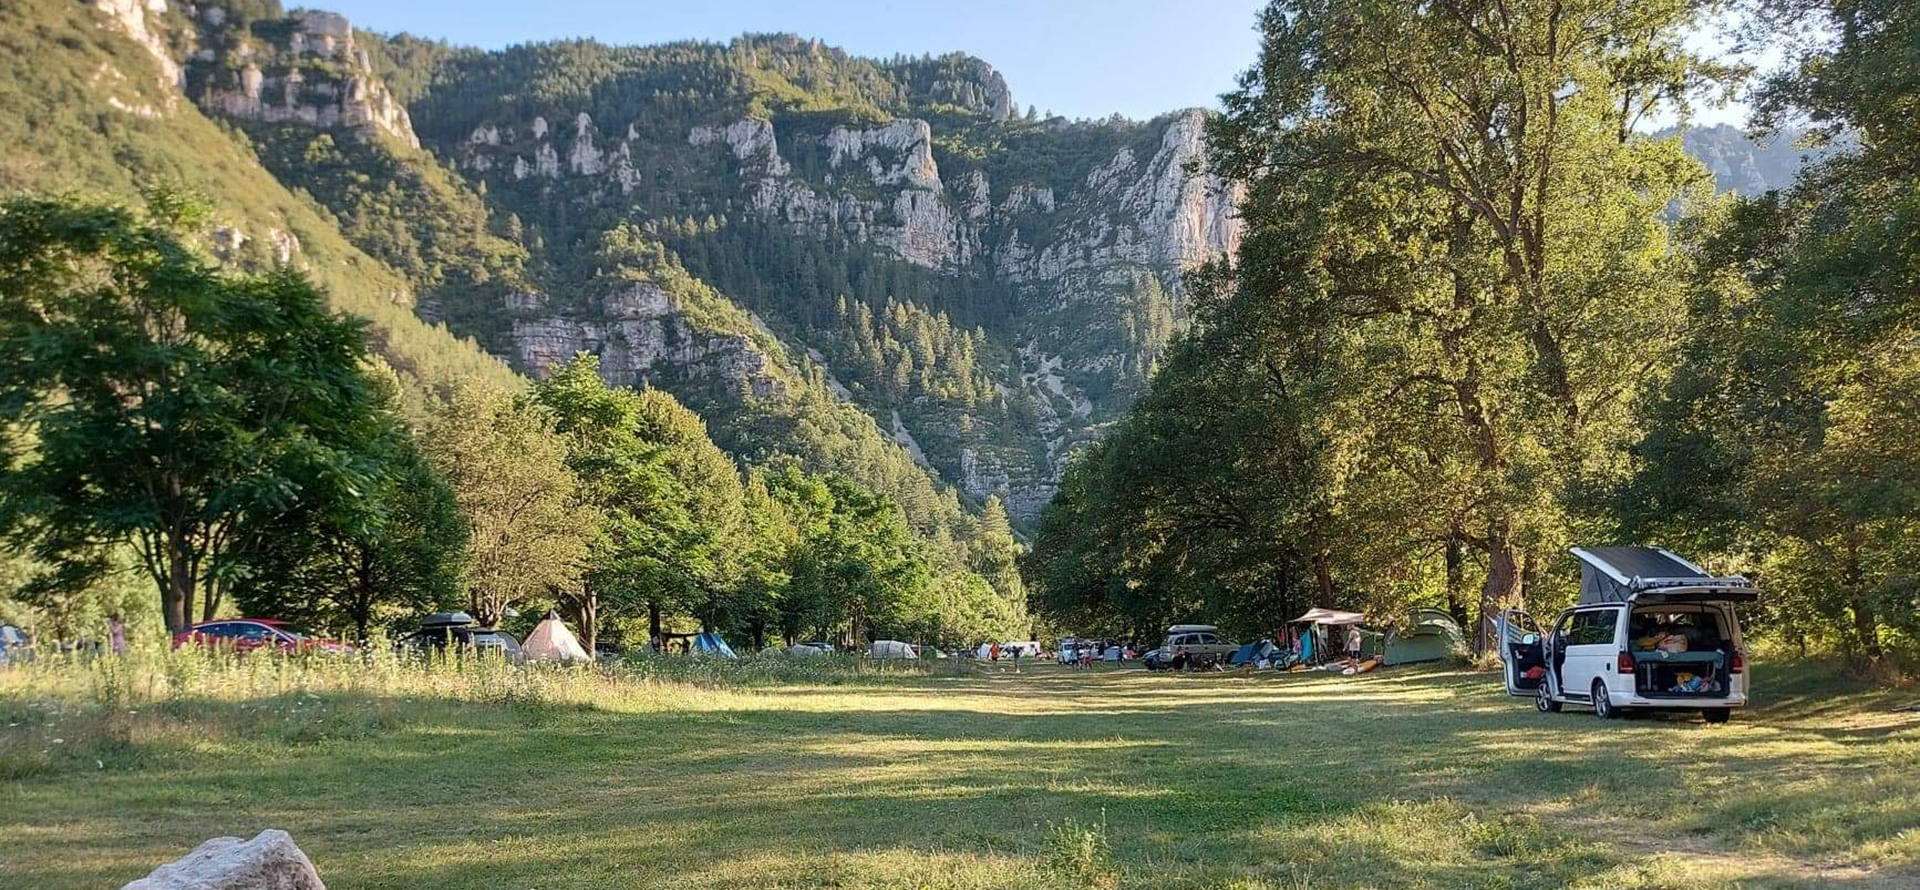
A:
[448, 619]
[1633, 574]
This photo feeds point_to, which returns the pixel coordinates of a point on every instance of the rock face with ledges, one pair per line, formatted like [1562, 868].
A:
[316, 76]
[640, 333]
[270, 861]
[1075, 254]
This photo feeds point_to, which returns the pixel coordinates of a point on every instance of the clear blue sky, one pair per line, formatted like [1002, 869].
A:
[1080, 58]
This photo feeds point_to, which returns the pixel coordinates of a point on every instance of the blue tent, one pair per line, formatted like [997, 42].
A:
[1253, 652]
[709, 643]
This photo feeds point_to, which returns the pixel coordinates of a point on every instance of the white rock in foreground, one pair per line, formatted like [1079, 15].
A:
[268, 862]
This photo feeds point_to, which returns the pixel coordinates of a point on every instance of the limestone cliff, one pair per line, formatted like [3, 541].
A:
[1073, 254]
[641, 332]
[313, 73]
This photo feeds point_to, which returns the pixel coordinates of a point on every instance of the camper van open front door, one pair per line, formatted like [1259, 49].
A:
[1522, 653]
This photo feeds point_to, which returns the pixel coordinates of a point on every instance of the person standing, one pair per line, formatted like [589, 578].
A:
[1353, 644]
[116, 635]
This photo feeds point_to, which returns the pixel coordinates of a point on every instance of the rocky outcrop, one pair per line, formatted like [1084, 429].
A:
[1169, 217]
[321, 79]
[918, 222]
[1070, 253]
[130, 16]
[900, 153]
[1134, 214]
[751, 141]
[981, 88]
[270, 861]
[639, 333]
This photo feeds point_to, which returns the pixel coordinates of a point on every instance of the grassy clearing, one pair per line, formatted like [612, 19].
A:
[783, 774]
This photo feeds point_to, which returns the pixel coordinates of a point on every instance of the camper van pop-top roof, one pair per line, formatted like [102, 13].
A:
[1652, 575]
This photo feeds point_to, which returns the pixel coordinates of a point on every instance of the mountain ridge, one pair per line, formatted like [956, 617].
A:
[794, 224]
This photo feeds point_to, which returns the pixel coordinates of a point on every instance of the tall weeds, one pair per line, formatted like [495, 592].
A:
[63, 713]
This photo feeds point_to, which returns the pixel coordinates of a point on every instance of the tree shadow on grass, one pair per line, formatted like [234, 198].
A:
[1238, 777]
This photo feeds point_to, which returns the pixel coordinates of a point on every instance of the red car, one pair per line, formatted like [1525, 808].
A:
[248, 634]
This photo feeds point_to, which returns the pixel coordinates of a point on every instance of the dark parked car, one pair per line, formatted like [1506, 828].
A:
[458, 630]
[1156, 660]
[248, 634]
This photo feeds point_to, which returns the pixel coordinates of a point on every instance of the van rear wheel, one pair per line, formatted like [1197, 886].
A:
[1602, 702]
[1717, 715]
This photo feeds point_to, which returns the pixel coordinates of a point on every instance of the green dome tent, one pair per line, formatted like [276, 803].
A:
[1431, 635]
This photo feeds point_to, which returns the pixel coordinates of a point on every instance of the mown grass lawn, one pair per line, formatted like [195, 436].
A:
[1425, 778]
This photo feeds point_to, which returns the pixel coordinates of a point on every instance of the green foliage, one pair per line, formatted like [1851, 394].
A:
[672, 501]
[367, 557]
[1082, 855]
[153, 400]
[1455, 275]
[105, 125]
[856, 564]
[530, 527]
[404, 209]
[1786, 438]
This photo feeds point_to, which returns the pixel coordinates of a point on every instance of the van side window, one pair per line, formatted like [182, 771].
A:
[1591, 628]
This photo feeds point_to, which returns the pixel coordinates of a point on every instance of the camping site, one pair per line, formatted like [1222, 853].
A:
[873, 445]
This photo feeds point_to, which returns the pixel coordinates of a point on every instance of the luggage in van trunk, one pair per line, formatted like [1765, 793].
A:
[1680, 674]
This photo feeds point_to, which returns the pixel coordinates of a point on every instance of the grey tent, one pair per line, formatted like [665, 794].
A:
[1431, 636]
[1652, 575]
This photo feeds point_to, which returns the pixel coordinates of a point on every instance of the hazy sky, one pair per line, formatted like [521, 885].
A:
[1080, 58]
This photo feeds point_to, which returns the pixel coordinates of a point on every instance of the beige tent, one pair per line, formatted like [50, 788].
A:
[1330, 616]
[552, 641]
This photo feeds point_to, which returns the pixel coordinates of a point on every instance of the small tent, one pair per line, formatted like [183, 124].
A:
[1430, 636]
[890, 649]
[1253, 652]
[552, 641]
[709, 643]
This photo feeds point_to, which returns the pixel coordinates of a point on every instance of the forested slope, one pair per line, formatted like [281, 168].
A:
[84, 109]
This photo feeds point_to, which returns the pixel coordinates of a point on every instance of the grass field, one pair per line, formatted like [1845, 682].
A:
[1049, 778]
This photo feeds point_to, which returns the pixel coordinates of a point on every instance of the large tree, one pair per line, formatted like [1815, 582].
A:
[366, 555]
[149, 398]
[530, 529]
[856, 567]
[1451, 204]
[1789, 437]
[671, 500]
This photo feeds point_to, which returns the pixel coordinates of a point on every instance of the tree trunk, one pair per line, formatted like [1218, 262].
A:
[1866, 619]
[1457, 580]
[589, 618]
[486, 609]
[210, 606]
[1323, 576]
[1502, 587]
[653, 624]
[363, 596]
[177, 597]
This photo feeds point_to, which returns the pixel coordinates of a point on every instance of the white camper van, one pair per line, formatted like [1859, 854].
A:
[1652, 631]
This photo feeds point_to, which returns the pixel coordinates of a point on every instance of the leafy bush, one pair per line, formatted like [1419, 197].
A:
[1082, 855]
